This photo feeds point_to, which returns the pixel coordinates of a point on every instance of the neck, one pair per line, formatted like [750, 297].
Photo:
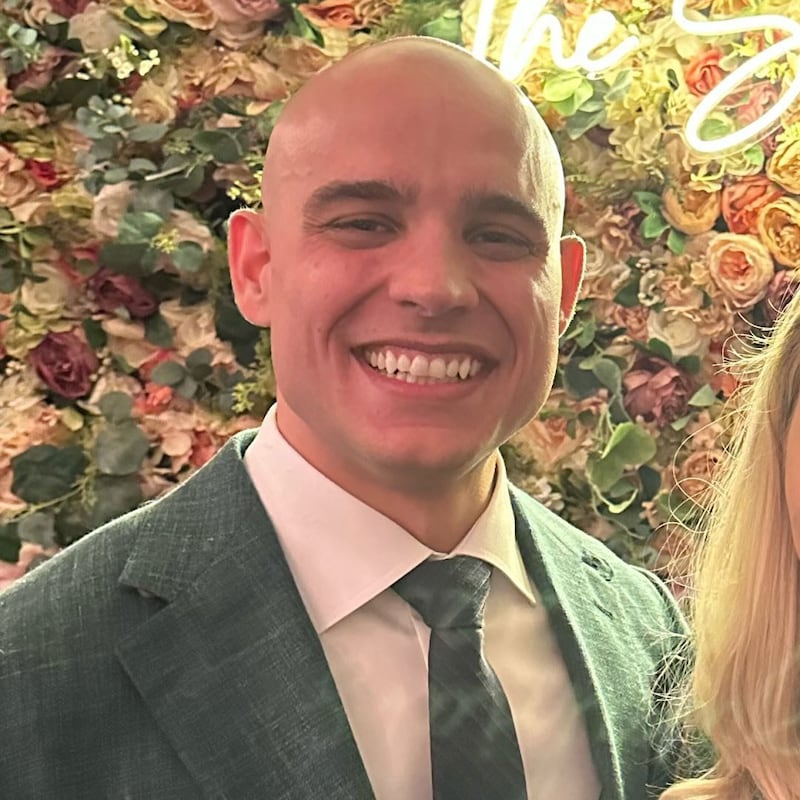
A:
[436, 508]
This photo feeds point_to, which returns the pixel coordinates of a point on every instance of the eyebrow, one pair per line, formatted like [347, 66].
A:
[337, 191]
[500, 203]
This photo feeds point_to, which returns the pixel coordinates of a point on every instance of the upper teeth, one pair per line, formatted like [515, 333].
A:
[412, 367]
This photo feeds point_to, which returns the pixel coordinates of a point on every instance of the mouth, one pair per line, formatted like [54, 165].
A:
[414, 366]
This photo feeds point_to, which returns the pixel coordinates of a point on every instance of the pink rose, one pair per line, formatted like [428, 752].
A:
[656, 390]
[245, 10]
[65, 363]
[112, 291]
[780, 291]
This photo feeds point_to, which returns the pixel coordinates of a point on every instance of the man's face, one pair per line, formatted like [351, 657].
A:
[414, 285]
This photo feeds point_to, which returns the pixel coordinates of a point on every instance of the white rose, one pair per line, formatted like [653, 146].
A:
[678, 331]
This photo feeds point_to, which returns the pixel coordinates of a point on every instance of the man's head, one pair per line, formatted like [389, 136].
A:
[413, 202]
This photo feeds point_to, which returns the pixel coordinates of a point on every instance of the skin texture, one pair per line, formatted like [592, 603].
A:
[448, 243]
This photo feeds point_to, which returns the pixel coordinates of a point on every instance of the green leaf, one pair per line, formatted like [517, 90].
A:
[628, 295]
[618, 89]
[115, 175]
[562, 86]
[10, 280]
[609, 374]
[95, 335]
[148, 132]
[447, 27]
[704, 397]
[630, 444]
[188, 256]
[581, 121]
[603, 473]
[157, 331]
[116, 495]
[127, 258]
[187, 387]
[141, 165]
[690, 364]
[580, 383]
[222, 146]
[676, 241]
[120, 449]
[38, 528]
[659, 348]
[649, 202]
[116, 406]
[44, 472]
[587, 333]
[569, 105]
[168, 373]
[625, 502]
[653, 225]
[755, 155]
[680, 423]
[138, 227]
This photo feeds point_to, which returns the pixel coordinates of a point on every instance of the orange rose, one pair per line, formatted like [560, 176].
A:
[759, 100]
[330, 13]
[741, 202]
[703, 72]
[741, 267]
[784, 166]
[779, 228]
[690, 210]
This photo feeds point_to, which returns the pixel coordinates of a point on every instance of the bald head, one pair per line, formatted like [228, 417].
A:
[421, 82]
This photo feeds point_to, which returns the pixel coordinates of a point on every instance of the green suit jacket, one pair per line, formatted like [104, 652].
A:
[169, 655]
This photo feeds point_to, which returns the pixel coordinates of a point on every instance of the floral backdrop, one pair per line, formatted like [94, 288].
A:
[131, 129]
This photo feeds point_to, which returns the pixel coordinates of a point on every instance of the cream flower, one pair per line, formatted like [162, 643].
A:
[679, 331]
[52, 297]
[194, 327]
[110, 204]
[16, 183]
[127, 340]
[96, 27]
[189, 229]
[156, 99]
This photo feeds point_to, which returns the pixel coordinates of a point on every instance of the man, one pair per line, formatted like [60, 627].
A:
[261, 632]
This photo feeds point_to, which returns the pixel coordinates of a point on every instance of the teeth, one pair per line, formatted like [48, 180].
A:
[421, 369]
[438, 369]
[419, 366]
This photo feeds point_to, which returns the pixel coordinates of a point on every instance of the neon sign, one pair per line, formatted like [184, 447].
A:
[528, 27]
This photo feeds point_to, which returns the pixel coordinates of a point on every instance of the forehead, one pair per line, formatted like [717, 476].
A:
[431, 136]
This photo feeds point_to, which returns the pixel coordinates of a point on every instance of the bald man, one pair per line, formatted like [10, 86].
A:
[269, 630]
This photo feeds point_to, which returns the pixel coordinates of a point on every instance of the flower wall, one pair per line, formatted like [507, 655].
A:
[130, 130]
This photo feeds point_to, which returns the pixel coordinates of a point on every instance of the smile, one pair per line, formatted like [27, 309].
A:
[418, 368]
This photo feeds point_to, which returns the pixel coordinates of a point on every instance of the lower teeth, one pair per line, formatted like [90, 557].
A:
[407, 377]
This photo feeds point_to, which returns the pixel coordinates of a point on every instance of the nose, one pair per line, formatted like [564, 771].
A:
[436, 278]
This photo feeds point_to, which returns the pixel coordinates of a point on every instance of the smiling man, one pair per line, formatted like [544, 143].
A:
[352, 602]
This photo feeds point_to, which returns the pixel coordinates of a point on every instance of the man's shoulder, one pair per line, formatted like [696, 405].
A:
[565, 546]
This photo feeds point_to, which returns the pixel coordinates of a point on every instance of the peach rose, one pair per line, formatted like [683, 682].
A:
[96, 28]
[156, 100]
[330, 13]
[696, 474]
[238, 35]
[760, 99]
[16, 182]
[244, 11]
[194, 13]
[779, 228]
[741, 267]
[110, 204]
[238, 74]
[703, 72]
[784, 165]
[372, 11]
[633, 320]
[296, 58]
[690, 210]
[741, 202]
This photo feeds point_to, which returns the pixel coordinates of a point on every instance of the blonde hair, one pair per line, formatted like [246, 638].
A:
[744, 688]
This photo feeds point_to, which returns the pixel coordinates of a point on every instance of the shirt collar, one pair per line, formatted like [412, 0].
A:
[342, 552]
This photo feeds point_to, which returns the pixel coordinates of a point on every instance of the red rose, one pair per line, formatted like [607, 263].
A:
[703, 72]
[68, 8]
[44, 173]
[656, 390]
[65, 363]
[112, 291]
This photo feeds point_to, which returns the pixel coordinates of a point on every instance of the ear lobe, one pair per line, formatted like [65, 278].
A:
[249, 260]
[573, 257]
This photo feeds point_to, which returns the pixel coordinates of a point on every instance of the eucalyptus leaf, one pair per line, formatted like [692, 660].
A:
[705, 396]
[138, 227]
[95, 335]
[631, 444]
[45, 472]
[168, 373]
[38, 528]
[149, 132]
[127, 258]
[116, 406]
[188, 256]
[120, 449]
[157, 331]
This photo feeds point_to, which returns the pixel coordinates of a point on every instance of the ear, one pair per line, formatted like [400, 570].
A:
[249, 260]
[573, 255]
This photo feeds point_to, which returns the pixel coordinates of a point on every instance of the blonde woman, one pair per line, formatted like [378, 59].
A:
[746, 680]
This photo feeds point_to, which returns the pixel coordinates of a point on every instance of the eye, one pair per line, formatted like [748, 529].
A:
[362, 232]
[498, 244]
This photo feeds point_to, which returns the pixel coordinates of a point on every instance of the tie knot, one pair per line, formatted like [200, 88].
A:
[448, 593]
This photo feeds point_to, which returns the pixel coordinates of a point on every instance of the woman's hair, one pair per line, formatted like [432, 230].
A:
[744, 693]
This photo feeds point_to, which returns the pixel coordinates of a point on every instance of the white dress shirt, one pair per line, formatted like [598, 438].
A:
[345, 556]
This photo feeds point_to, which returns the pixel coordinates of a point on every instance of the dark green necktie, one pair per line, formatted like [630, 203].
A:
[474, 749]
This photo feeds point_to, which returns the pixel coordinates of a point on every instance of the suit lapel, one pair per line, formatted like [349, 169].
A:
[232, 668]
[576, 587]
